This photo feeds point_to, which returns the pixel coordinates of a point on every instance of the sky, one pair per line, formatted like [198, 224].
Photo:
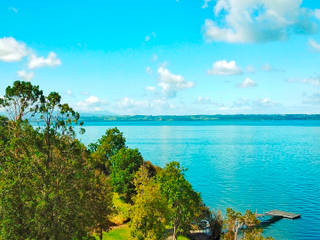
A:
[166, 57]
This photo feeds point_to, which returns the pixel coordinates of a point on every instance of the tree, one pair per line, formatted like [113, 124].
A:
[254, 234]
[183, 201]
[235, 221]
[107, 146]
[21, 99]
[124, 166]
[101, 206]
[216, 225]
[149, 211]
[48, 188]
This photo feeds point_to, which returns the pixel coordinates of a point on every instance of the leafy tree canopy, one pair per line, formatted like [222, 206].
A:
[124, 166]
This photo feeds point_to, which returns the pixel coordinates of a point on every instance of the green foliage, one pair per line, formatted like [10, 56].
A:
[48, 188]
[254, 234]
[118, 233]
[107, 146]
[183, 201]
[124, 165]
[216, 225]
[21, 99]
[248, 222]
[150, 210]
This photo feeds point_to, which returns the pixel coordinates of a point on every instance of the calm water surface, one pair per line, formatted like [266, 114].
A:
[243, 165]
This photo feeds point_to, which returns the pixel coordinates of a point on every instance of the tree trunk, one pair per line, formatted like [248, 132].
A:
[100, 233]
[174, 235]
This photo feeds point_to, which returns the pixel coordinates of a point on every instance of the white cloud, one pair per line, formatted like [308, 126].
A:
[207, 101]
[148, 70]
[150, 88]
[314, 45]
[223, 67]
[50, 61]
[25, 76]
[257, 104]
[265, 102]
[147, 38]
[248, 82]
[91, 104]
[171, 83]
[205, 3]
[126, 103]
[267, 68]
[258, 20]
[314, 81]
[11, 50]
[204, 100]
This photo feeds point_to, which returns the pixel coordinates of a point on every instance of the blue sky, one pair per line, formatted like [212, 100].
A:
[167, 57]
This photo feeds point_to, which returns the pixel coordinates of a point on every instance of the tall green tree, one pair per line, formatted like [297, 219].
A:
[21, 99]
[48, 186]
[184, 203]
[124, 166]
[149, 211]
[107, 146]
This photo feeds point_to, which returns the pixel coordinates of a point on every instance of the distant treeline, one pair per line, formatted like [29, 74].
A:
[237, 117]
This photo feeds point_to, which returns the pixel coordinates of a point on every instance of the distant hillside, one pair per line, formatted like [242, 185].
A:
[238, 117]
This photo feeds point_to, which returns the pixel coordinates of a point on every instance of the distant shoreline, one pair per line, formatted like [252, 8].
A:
[197, 118]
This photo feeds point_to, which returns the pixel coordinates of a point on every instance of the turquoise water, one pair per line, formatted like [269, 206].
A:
[244, 165]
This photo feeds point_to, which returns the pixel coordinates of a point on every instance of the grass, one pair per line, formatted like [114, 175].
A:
[122, 233]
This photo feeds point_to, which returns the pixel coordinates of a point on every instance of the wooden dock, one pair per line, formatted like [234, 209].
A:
[282, 214]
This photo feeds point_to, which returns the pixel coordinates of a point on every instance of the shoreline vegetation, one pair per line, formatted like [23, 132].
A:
[205, 118]
[53, 187]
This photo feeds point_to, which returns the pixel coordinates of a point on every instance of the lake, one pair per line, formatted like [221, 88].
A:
[259, 166]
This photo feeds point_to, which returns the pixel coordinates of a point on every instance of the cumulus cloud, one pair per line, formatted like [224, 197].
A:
[224, 67]
[11, 50]
[37, 62]
[171, 83]
[314, 45]
[247, 83]
[246, 21]
[91, 104]
[25, 76]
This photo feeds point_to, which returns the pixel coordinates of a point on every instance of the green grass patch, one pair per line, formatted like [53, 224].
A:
[120, 233]
[182, 238]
